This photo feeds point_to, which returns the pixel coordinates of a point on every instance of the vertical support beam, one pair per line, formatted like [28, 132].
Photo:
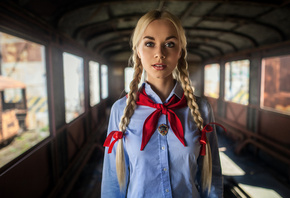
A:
[1, 99]
[254, 85]
[221, 103]
[254, 92]
[196, 74]
[55, 82]
[202, 80]
[1, 132]
[86, 120]
[56, 61]
[86, 83]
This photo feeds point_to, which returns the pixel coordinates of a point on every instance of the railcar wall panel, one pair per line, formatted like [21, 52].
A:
[46, 169]
[94, 118]
[275, 126]
[61, 160]
[213, 103]
[75, 137]
[31, 177]
[236, 113]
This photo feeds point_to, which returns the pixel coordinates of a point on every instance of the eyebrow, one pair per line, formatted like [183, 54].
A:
[152, 38]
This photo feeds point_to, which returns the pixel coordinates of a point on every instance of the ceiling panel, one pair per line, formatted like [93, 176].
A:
[213, 27]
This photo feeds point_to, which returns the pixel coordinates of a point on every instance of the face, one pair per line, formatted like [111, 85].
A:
[159, 50]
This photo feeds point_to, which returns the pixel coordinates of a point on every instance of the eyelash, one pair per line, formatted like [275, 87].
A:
[149, 44]
[169, 44]
[172, 44]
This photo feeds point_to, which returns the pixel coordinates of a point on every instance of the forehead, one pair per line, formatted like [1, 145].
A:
[160, 28]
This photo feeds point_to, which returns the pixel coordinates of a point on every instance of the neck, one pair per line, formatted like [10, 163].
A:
[162, 87]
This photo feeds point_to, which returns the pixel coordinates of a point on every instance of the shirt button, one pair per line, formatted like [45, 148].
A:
[167, 190]
[165, 169]
[163, 148]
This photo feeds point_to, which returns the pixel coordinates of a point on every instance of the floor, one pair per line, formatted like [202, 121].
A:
[244, 176]
[248, 176]
[88, 184]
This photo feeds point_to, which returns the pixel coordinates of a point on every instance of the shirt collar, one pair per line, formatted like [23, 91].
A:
[177, 90]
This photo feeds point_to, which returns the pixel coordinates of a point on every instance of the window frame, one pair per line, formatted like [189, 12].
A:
[99, 83]
[83, 84]
[103, 96]
[248, 82]
[51, 131]
[218, 83]
[262, 87]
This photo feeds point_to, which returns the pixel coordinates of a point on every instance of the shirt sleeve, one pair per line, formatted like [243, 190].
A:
[110, 186]
[217, 183]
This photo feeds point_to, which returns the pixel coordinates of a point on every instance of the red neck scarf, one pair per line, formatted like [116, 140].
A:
[150, 123]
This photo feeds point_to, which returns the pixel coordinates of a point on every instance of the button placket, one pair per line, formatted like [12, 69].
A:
[164, 163]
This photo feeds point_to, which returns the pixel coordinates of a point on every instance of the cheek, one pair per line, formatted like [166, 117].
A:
[144, 54]
[140, 52]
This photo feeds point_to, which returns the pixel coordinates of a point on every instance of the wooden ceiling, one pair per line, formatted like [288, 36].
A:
[214, 28]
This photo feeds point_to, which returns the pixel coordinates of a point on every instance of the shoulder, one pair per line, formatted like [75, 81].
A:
[202, 102]
[120, 102]
[204, 107]
[119, 106]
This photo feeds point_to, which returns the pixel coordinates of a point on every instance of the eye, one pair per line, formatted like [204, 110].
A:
[170, 44]
[149, 44]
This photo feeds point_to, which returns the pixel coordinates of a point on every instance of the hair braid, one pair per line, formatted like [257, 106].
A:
[188, 91]
[182, 76]
[125, 120]
[206, 174]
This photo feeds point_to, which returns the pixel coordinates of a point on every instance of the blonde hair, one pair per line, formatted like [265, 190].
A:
[180, 73]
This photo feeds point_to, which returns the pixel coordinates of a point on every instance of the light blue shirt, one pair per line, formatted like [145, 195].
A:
[165, 168]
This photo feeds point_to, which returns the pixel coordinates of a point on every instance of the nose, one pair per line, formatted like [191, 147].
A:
[159, 53]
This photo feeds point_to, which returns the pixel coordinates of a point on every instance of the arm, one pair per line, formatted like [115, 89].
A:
[217, 183]
[110, 186]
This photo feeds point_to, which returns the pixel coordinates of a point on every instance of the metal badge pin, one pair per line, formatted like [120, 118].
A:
[163, 129]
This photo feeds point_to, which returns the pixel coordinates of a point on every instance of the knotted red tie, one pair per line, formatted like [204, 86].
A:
[151, 121]
[114, 134]
[207, 128]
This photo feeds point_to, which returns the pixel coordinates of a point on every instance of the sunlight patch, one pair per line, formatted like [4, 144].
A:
[258, 192]
[229, 167]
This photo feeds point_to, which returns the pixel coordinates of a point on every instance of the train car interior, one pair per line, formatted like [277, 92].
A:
[64, 63]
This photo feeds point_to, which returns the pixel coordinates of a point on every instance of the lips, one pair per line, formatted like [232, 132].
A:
[159, 66]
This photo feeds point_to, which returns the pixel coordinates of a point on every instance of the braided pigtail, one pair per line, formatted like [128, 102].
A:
[183, 77]
[180, 73]
[188, 90]
[125, 120]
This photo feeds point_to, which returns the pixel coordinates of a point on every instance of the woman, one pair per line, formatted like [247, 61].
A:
[159, 128]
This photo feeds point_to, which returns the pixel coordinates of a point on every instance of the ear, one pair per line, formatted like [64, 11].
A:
[138, 53]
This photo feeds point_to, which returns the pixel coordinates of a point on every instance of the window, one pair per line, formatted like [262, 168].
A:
[212, 80]
[13, 95]
[94, 83]
[275, 85]
[129, 71]
[105, 89]
[237, 81]
[129, 74]
[73, 86]
[23, 96]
